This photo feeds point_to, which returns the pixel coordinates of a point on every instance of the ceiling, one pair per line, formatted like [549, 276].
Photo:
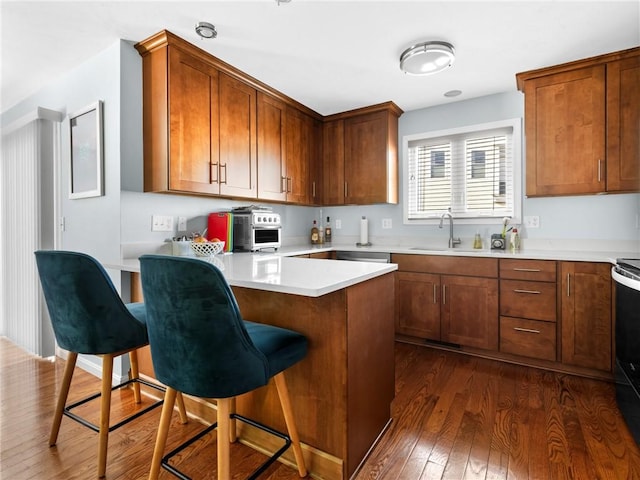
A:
[330, 55]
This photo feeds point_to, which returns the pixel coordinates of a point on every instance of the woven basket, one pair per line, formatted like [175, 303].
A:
[206, 249]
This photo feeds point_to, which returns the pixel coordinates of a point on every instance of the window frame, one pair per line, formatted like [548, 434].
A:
[516, 147]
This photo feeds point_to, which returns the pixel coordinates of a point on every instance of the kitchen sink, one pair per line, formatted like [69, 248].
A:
[433, 249]
[445, 249]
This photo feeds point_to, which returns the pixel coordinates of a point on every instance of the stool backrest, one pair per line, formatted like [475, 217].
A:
[199, 344]
[87, 313]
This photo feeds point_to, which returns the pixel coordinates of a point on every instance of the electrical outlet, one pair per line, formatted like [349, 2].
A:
[387, 223]
[338, 224]
[532, 221]
[182, 224]
[161, 223]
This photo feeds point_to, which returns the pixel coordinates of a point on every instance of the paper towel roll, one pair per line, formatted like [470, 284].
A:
[364, 231]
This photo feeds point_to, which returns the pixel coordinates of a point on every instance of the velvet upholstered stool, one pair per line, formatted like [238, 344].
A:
[201, 346]
[89, 317]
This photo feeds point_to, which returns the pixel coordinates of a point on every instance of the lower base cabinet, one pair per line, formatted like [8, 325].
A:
[457, 309]
[545, 313]
[585, 296]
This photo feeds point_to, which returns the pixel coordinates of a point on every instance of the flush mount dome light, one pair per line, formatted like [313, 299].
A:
[427, 58]
[206, 30]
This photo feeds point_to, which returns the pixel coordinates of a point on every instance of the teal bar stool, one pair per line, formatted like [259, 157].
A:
[89, 317]
[201, 346]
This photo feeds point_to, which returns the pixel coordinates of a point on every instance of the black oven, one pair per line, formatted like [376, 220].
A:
[626, 274]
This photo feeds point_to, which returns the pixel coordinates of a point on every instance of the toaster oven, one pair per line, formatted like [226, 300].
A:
[256, 230]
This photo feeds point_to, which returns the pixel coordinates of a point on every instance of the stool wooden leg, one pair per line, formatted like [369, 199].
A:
[163, 431]
[224, 410]
[233, 434]
[105, 410]
[181, 410]
[283, 393]
[62, 397]
[133, 359]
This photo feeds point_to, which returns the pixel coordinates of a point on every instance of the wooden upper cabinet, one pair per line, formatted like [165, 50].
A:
[360, 151]
[300, 152]
[287, 143]
[193, 149]
[238, 150]
[581, 126]
[333, 162]
[272, 148]
[565, 130]
[623, 125]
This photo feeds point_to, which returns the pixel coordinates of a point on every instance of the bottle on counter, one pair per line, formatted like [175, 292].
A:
[514, 243]
[327, 231]
[477, 241]
[315, 234]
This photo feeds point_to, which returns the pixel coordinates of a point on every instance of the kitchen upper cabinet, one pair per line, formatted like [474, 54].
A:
[623, 125]
[188, 159]
[238, 151]
[585, 297]
[581, 126]
[301, 150]
[287, 151]
[360, 156]
[272, 148]
[448, 299]
[199, 123]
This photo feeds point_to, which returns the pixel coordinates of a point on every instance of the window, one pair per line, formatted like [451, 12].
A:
[475, 171]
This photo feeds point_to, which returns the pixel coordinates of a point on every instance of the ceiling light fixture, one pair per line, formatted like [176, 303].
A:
[282, 1]
[206, 30]
[427, 58]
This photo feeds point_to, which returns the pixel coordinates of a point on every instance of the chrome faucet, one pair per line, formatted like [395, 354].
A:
[452, 241]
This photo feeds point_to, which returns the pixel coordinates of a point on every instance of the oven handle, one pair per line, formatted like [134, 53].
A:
[266, 227]
[626, 281]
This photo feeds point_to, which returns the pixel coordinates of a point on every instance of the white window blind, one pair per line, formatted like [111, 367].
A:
[472, 171]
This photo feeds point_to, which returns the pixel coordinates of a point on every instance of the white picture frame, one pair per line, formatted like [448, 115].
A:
[86, 152]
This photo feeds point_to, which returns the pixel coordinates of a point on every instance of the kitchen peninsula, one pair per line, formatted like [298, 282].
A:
[342, 390]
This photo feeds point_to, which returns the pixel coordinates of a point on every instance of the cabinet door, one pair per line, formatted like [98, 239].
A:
[271, 148]
[418, 305]
[315, 165]
[586, 315]
[300, 149]
[368, 177]
[333, 162]
[565, 131]
[238, 155]
[623, 120]
[193, 124]
[470, 311]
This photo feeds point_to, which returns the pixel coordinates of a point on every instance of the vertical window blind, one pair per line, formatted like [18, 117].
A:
[472, 173]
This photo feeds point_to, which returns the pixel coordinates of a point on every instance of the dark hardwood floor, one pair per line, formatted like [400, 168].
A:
[455, 417]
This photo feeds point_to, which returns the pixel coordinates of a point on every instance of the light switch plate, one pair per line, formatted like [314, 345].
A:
[161, 223]
[532, 221]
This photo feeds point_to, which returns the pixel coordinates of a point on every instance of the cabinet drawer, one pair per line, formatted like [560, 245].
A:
[474, 267]
[539, 270]
[534, 300]
[529, 338]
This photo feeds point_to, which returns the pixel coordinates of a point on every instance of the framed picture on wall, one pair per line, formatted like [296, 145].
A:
[86, 163]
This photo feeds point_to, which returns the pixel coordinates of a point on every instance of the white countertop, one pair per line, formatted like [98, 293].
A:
[278, 273]
[566, 255]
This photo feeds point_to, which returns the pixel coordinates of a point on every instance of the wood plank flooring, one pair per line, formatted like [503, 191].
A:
[455, 417]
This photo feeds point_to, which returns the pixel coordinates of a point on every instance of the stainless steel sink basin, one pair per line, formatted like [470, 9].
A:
[432, 249]
[445, 249]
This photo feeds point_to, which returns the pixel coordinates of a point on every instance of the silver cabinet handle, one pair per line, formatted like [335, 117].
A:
[346, 189]
[435, 293]
[313, 189]
[213, 167]
[517, 290]
[568, 284]
[225, 173]
[526, 269]
[599, 170]
[526, 330]
[289, 185]
[444, 294]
